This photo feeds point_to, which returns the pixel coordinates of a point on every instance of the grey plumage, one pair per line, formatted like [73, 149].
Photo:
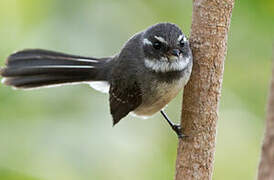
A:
[152, 90]
[152, 67]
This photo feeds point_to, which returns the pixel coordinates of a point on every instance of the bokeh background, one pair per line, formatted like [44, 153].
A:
[67, 133]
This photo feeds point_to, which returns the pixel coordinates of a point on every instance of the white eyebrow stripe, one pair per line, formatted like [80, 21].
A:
[182, 37]
[146, 41]
[160, 39]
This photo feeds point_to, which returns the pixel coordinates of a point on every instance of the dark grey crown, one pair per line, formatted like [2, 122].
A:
[170, 32]
[159, 40]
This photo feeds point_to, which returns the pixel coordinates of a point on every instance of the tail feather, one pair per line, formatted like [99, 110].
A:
[36, 68]
[41, 81]
[45, 61]
[49, 70]
[45, 57]
[41, 52]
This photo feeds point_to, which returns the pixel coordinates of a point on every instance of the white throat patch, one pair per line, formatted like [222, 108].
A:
[163, 65]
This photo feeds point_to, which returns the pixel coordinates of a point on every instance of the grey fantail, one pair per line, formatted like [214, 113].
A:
[150, 70]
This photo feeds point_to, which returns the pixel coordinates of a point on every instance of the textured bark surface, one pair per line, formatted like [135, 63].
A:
[210, 25]
[266, 167]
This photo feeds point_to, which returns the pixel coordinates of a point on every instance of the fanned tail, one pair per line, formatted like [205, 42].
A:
[38, 68]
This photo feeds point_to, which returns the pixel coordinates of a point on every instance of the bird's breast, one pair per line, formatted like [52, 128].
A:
[158, 95]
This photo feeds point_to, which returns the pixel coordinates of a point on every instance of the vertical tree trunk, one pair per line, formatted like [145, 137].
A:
[210, 25]
[266, 167]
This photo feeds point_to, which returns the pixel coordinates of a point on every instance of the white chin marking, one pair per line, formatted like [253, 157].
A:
[102, 86]
[147, 42]
[163, 65]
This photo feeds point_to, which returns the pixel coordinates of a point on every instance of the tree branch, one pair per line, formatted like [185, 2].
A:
[266, 167]
[210, 25]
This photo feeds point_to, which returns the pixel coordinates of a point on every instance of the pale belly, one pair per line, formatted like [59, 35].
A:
[159, 97]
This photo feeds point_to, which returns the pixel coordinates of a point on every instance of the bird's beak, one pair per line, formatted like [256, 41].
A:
[174, 54]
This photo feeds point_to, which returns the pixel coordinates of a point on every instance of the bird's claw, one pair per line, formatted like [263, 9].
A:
[178, 130]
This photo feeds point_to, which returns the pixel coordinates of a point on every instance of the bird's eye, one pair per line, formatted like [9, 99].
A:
[157, 45]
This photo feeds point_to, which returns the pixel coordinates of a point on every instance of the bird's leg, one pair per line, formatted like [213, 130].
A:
[176, 127]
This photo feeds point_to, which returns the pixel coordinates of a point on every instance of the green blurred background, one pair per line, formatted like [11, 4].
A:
[66, 132]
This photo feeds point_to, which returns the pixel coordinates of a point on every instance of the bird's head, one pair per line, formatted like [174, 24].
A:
[165, 48]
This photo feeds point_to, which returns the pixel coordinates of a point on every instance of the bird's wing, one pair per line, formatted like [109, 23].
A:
[124, 98]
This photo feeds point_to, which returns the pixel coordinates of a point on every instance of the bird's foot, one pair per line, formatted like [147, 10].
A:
[178, 130]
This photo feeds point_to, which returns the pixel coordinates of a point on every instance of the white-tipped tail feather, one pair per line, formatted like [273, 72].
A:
[36, 68]
[87, 60]
[63, 66]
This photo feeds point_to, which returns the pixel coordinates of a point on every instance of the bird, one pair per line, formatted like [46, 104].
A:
[152, 67]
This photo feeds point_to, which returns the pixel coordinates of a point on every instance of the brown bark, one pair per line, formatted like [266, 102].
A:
[266, 167]
[210, 25]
